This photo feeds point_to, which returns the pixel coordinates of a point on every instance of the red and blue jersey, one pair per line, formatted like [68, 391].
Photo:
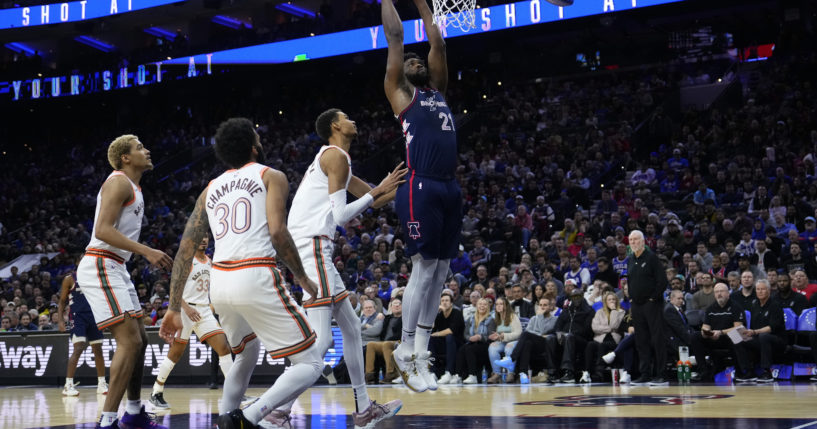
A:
[431, 137]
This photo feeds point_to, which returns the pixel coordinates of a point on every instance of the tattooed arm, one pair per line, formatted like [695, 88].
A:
[277, 191]
[196, 229]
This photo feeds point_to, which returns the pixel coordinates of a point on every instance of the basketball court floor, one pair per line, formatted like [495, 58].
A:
[779, 405]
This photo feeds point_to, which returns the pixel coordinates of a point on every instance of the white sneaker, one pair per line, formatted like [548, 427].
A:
[445, 379]
[102, 388]
[455, 379]
[423, 364]
[609, 357]
[406, 364]
[585, 377]
[471, 379]
[70, 390]
[624, 377]
[397, 380]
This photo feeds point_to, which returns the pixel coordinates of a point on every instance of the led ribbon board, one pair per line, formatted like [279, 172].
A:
[489, 19]
[57, 13]
[495, 18]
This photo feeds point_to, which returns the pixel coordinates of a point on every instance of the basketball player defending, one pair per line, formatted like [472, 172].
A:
[105, 281]
[245, 209]
[197, 317]
[429, 205]
[318, 208]
[83, 332]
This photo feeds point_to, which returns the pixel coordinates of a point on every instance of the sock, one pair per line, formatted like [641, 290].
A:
[434, 275]
[362, 401]
[236, 384]
[107, 419]
[225, 363]
[133, 407]
[422, 338]
[164, 371]
[99, 380]
[306, 368]
[69, 381]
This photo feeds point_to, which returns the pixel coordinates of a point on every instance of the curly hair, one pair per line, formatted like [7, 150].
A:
[118, 147]
[323, 125]
[235, 138]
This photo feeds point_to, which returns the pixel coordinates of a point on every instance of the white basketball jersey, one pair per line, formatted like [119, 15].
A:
[311, 214]
[197, 287]
[236, 208]
[129, 222]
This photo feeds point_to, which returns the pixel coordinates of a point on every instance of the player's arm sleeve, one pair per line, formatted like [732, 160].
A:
[343, 212]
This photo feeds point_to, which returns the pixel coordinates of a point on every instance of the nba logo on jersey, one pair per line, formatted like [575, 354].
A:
[414, 230]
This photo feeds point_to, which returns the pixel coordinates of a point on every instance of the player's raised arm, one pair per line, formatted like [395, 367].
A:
[398, 89]
[437, 61]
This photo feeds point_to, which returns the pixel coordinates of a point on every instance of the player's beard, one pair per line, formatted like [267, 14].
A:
[419, 80]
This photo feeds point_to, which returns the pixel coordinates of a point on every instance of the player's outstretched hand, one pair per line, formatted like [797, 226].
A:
[159, 259]
[387, 189]
[171, 326]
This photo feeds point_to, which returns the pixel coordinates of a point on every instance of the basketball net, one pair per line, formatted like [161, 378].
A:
[455, 13]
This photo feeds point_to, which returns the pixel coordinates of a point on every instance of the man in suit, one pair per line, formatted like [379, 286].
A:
[676, 325]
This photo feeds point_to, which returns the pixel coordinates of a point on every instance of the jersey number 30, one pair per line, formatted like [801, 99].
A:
[448, 121]
[239, 217]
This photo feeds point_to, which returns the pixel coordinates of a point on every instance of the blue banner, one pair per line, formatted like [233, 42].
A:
[57, 13]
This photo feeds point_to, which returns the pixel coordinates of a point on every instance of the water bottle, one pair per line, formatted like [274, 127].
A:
[680, 369]
[687, 372]
[484, 375]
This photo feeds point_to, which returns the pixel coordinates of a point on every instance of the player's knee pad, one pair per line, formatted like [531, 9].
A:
[249, 354]
[309, 357]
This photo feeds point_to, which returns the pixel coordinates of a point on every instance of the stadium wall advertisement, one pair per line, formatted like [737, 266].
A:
[41, 358]
[495, 18]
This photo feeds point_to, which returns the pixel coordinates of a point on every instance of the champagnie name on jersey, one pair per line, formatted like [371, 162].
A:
[251, 186]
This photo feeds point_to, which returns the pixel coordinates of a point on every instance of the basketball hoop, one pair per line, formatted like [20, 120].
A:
[455, 13]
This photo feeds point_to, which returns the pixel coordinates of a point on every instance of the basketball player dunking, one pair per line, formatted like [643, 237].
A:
[245, 209]
[429, 204]
[105, 281]
[318, 208]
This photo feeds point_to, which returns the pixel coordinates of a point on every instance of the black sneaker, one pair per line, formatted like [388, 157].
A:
[114, 425]
[659, 381]
[329, 374]
[766, 377]
[641, 380]
[234, 420]
[745, 377]
[568, 378]
[158, 401]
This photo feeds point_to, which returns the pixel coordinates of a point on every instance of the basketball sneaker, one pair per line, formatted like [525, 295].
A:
[158, 401]
[114, 425]
[278, 419]
[471, 379]
[445, 379]
[406, 364]
[423, 365]
[376, 413]
[70, 390]
[143, 420]
[329, 374]
[234, 420]
[102, 388]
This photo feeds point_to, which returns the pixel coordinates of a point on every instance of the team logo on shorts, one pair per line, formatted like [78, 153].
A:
[618, 400]
[414, 230]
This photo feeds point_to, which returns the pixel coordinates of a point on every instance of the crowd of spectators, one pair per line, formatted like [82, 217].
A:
[550, 190]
